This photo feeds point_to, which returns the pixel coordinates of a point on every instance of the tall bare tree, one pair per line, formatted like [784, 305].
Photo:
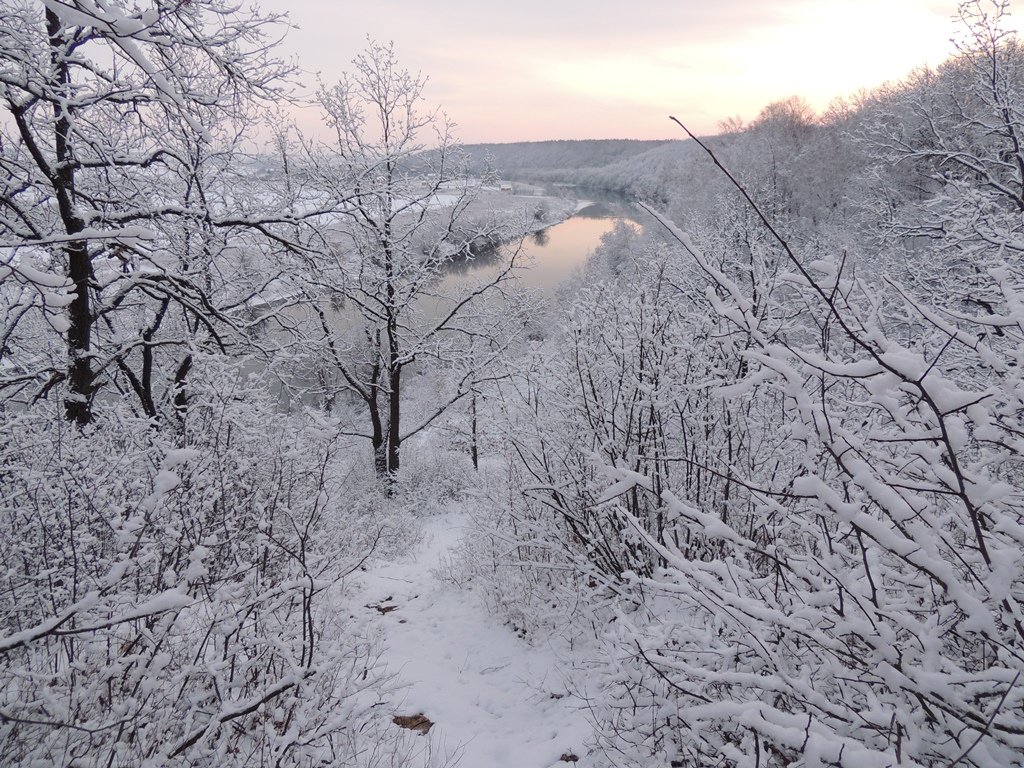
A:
[411, 216]
[116, 112]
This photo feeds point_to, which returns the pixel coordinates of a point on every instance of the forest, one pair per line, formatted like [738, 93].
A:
[753, 480]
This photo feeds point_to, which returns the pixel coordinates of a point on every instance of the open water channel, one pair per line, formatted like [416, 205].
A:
[549, 256]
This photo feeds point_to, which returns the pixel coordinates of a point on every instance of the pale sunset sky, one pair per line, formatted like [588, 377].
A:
[567, 69]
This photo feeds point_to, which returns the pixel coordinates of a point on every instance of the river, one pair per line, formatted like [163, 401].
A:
[549, 256]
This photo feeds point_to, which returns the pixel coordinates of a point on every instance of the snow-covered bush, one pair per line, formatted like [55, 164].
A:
[434, 476]
[512, 554]
[880, 621]
[842, 585]
[877, 620]
[163, 595]
[819, 546]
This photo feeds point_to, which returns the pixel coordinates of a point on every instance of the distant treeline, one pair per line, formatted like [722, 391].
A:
[555, 160]
[650, 170]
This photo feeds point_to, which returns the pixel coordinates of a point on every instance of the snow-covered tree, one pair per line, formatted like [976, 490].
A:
[410, 217]
[950, 162]
[120, 125]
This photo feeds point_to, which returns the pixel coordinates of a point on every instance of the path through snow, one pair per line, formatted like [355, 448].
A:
[488, 693]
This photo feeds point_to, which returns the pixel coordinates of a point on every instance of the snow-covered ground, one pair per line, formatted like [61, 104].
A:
[494, 700]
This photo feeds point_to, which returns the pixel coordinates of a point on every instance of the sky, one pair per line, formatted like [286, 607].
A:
[566, 69]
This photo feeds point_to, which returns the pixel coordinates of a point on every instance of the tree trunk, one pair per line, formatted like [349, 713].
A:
[394, 365]
[78, 405]
[380, 461]
[473, 450]
[180, 396]
[394, 419]
[378, 441]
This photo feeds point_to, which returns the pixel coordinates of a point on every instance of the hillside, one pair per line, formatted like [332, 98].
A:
[553, 160]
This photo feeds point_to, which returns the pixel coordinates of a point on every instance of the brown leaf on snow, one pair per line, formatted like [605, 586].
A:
[417, 722]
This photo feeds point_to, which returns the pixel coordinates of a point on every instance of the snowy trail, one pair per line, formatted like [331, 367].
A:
[488, 693]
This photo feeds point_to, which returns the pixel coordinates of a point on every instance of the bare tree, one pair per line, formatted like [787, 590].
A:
[950, 160]
[411, 216]
[116, 114]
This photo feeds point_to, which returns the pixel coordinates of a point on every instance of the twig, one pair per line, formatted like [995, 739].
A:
[988, 725]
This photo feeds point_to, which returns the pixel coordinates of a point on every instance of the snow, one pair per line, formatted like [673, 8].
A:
[495, 701]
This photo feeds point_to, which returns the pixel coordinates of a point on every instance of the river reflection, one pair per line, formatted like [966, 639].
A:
[565, 247]
[548, 257]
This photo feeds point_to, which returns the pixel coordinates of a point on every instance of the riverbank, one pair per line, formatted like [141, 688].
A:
[522, 214]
